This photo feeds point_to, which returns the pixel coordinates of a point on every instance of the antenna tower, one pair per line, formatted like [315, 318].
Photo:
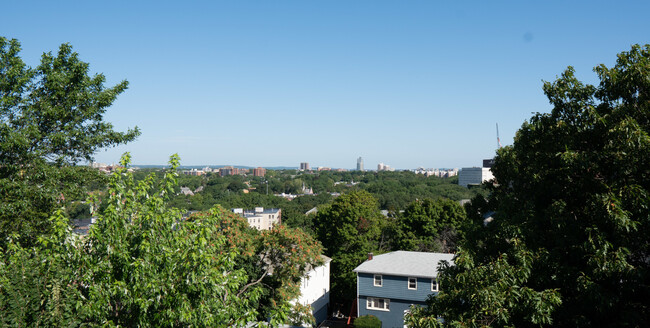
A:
[498, 140]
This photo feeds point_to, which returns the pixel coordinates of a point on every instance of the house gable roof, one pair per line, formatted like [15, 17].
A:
[404, 263]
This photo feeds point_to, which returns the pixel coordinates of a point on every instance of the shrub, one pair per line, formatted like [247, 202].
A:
[367, 321]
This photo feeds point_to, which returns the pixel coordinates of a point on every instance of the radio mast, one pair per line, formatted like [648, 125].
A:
[498, 140]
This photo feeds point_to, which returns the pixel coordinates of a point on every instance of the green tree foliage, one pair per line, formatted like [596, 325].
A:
[349, 229]
[51, 117]
[367, 321]
[143, 265]
[571, 212]
[429, 225]
[395, 190]
[492, 294]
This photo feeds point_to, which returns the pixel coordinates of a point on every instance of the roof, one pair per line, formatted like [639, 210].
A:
[404, 263]
[323, 258]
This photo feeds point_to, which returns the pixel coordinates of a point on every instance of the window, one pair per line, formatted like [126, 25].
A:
[413, 283]
[434, 285]
[378, 280]
[382, 304]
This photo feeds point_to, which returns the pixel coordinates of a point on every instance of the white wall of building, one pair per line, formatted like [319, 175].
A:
[474, 176]
[315, 289]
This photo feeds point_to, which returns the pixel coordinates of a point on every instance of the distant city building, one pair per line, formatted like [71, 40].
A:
[106, 168]
[488, 162]
[384, 167]
[186, 191]
[307, 191]
[261, 218]
[230, 170]
[194, 172]
[360, 164]
[96, 165]
[304, 166]
[227, 170]
[474, 176]
[440, 173]
[259, 172]
[322, 168]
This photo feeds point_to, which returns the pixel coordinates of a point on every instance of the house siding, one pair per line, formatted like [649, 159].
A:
[389, 319]
[394, 287]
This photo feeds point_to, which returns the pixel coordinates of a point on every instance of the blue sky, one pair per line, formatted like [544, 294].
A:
[276, 83]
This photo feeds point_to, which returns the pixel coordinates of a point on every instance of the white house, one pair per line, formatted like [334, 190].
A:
[315, 289]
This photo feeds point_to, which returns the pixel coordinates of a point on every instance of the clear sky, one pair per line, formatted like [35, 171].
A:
[276, 83]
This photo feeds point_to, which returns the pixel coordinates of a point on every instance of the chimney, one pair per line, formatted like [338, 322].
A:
[369, 256]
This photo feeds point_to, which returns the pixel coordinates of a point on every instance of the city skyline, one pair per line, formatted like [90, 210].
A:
[411, 85]
[385, 166]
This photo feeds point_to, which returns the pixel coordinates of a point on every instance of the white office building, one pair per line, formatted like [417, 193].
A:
[474, 176]
[261, 218]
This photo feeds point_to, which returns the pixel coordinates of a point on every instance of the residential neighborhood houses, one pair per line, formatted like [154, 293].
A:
[387, 284]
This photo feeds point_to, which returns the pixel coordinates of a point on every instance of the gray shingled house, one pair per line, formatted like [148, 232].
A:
[388, 284]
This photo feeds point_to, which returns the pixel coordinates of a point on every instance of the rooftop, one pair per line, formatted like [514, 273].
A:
[256, 211]
[404, 263]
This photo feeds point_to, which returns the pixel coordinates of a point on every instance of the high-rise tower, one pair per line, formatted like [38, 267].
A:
[359, 164]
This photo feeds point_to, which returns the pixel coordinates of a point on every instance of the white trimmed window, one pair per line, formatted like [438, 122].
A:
[377, 281]
[413, 283]
[382, 304]
[434, 285]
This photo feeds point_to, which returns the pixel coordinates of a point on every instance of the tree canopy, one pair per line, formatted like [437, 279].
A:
[51, 117]
[349, 228]
[142, 264]
[568, 245]
[429, 225]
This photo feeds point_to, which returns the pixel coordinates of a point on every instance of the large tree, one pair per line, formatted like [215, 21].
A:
[429, 225]
[51, 117]
[349, 229]
[571, 208]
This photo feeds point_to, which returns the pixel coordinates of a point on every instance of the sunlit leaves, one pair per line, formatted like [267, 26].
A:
[144, 265]
[51, 117]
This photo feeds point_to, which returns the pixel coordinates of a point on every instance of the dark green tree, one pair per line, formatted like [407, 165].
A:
[571, 212]
[51, 118]
[429, 225]
[349, 229]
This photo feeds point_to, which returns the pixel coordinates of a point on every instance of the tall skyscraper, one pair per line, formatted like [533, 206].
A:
[359, 164]
[304, 166]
